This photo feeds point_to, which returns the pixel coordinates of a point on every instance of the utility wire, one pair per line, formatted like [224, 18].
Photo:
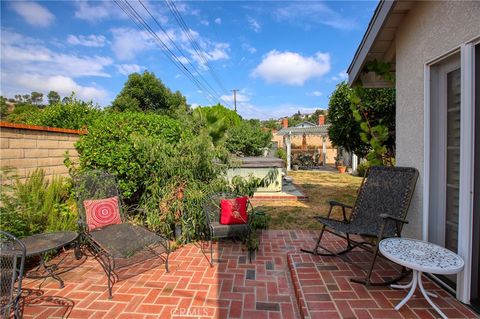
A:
[179, 49]
[199, 51]
[143, 25]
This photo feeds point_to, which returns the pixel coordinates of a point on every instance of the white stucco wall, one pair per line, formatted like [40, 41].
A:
[429, 30]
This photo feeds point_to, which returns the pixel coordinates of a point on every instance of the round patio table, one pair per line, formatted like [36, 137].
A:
[420, 256]
[40, 244]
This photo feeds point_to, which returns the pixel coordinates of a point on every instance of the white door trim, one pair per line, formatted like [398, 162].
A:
[426, 151]
[467, 131]
[467, 124]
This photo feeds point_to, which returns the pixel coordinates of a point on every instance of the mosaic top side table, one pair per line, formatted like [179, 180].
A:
[420, 256]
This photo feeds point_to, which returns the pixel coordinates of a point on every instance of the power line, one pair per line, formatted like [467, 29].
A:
[178, 48]
[178, 17]
[143, 25]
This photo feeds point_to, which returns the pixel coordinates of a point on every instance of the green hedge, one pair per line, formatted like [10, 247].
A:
[110, 145]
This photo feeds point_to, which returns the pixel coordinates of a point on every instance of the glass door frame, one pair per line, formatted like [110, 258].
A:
[467, 125]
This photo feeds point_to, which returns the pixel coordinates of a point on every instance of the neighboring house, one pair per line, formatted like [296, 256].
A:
[306, 137]
[434, 48]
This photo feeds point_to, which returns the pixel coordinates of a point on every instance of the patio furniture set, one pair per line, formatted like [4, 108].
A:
[378, 214]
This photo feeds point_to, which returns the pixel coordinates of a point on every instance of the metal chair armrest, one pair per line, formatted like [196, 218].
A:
[335, 203]
[387, 217]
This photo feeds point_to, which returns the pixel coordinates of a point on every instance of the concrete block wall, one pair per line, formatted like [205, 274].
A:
[28, 147]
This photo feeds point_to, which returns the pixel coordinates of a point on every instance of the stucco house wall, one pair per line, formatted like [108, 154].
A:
[430, 30]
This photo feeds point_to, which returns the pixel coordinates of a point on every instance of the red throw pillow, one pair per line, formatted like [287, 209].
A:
[102, 212]
[233, 211]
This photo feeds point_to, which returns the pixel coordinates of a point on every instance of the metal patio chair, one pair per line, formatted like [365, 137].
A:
[12, 261]
[215, 230]
[120, 244]
[379, 212]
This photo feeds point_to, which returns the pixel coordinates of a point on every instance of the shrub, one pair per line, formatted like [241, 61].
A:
[248, 138]
[36, 205]
[111, 145]
[362, 168]
[73, 114]
[281, 154]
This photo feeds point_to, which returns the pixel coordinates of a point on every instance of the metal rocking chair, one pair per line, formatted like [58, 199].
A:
[117, 245]
[12, 261]
[379, 212]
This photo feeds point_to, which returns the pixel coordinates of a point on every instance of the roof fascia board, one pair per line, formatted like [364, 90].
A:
[378, 20]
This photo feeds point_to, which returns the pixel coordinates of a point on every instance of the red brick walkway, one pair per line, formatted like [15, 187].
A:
[234, 288]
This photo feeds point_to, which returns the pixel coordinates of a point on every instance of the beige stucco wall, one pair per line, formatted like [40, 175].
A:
[25, 150]
[428, 31]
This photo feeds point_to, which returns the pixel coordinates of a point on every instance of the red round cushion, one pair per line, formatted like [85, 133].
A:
[102, 212]
[233, 211]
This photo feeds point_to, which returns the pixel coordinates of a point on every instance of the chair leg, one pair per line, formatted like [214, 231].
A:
[166, 262]
[315, 250]
[211, 252]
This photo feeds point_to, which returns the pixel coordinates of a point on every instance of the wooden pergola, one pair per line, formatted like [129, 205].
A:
[316, 130]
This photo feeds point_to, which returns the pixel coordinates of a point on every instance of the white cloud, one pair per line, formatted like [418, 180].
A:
[127, 69]
[316, 93]
[27, 65]
[315, 13]
[205, 22]
[62, 84]
[340, 76]
[28, 55]
[241, 98]
[218, 20]
[33, 13]
[291, 68]
[127, 43]
[249, 48]
[87, 40]
[93, 13]
[254, 25]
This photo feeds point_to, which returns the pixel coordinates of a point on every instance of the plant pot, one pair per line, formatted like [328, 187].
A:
[178, 231]
[342, 169]
[295, 167]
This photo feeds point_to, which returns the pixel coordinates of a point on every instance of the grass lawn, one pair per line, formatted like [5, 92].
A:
[320, 188]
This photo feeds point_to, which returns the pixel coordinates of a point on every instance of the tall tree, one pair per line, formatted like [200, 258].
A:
[350, 110]
[145, 92]
[53, 97]
[36, 98]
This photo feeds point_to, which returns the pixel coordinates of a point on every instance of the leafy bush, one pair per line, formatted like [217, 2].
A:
[281, 153]
[216, 120]
[112, 145]
[248, 138]
[73, 114]
[362, 168]
[36, 205]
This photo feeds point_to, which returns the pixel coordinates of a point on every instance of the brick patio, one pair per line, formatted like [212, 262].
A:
[270, 287]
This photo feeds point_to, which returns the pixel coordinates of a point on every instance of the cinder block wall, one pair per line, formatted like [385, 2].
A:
[27, 147]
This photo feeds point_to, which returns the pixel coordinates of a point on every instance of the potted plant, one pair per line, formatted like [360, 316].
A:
[339, 163]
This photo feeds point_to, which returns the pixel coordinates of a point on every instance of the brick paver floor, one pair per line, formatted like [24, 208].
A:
[270, 287]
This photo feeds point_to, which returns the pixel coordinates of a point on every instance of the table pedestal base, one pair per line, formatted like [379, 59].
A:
[417, 280]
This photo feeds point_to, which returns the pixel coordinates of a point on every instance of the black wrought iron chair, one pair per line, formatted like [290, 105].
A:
[215, 230]
[12, 261]
[116, 245]
[379, 212]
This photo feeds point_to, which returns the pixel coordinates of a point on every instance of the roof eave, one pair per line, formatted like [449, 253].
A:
[376, 23]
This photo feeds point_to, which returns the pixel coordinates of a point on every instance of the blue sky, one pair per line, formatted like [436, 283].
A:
[282, 56]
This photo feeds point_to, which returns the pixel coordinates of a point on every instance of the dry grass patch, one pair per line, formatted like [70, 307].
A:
[320, 187]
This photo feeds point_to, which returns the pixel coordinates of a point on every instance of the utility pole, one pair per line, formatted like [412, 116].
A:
[235, 98]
